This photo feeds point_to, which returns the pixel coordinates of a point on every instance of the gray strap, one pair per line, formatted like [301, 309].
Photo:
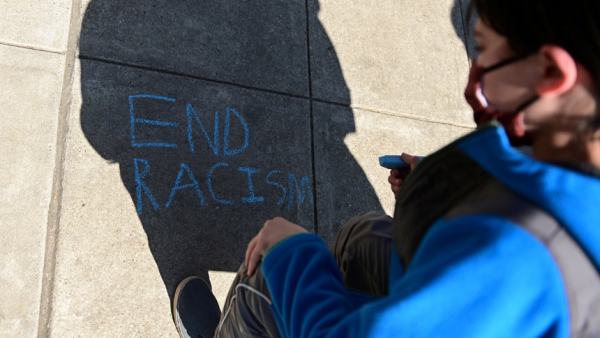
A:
[581, 278]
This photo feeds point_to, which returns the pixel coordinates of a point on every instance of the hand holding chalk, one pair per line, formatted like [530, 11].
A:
[401, 167]
[393, 162]
[398, 162]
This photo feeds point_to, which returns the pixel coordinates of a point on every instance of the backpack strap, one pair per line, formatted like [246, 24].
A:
[580, 276]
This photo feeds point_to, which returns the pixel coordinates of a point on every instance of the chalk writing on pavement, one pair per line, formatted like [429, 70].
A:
[284, 187]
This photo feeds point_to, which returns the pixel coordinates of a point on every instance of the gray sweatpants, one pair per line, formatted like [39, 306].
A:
[362, 250]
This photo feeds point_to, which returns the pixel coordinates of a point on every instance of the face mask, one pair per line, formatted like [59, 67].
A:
[484, 112]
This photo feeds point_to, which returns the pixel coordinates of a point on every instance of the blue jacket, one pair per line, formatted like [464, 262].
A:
[473, 276]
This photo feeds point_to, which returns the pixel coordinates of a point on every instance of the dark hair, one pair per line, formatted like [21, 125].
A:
[528, 24]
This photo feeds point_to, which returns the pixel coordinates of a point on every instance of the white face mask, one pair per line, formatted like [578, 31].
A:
[484, 112]
[485, 102]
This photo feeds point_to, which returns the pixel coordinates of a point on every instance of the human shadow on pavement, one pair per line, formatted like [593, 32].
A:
[205, 107]
[464, 28]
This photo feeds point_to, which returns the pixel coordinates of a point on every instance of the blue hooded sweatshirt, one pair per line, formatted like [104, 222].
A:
[474, 276]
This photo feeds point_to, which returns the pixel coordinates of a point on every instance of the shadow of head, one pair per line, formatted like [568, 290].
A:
[205, 106]
[460, 20]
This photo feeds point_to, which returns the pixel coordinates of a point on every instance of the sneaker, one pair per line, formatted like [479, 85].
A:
[195, 309]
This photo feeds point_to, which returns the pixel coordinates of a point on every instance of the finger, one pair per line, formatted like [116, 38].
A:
[268, 223]
[411, 160]
[395, 173]
[255, 258]
[395, 189]
[402, 173]
[250, 248]
[393, 179]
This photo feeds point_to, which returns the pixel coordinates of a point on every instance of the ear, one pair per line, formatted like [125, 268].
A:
[559, 71]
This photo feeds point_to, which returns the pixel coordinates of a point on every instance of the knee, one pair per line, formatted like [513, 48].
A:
[365, 225]
[369, 219]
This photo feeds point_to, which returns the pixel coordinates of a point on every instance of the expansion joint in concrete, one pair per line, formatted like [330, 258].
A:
[195, 77]
[48, 277]
[39, 49]
[311, 97]
[396, 114]
[312, 120]
[414, 117]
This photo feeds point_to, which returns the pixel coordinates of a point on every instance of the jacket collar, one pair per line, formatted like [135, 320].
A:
[571, 196]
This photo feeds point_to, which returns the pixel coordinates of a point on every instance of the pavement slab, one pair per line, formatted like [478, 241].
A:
[190, 124]
[167, 177]
[257, 44]
[35, 24]
[401, 57]
[30, 98]
[348, 144]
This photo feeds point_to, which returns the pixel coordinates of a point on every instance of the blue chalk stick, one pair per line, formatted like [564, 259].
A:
[393, 162]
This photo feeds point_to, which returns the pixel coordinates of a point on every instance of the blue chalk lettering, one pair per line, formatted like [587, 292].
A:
[214, 143]
[141, 185]
[252, 198]
[306, 189]
[194, 184]
[209, 183]
[226, 136]
[135, 120]
[277, 185]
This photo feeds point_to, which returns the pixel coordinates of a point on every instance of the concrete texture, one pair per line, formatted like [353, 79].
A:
[350, 180]
[406, 58]
[35, 24]
[258, 44]
[29, 97]
[320, 89]
[117, 241]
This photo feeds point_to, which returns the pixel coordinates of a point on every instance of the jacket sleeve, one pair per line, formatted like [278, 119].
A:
[476, 276]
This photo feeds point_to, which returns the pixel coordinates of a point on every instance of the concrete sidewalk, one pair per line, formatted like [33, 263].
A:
[146, 141]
